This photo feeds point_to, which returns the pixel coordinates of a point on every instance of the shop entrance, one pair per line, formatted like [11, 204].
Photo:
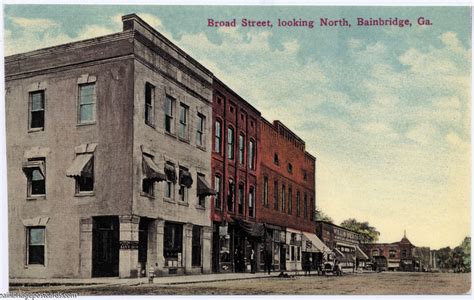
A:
[105, 246]
[282, 257]
[143, 245]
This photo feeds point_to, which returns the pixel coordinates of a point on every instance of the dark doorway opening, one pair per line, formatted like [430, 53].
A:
[105, 246]
[143, 245]
[282, 257]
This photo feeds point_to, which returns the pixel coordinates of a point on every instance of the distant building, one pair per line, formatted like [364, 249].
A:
[344, 243]
[398, 256]
[109, 155]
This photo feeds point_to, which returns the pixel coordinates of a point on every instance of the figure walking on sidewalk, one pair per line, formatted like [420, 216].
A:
[268, 262]
[252, 261]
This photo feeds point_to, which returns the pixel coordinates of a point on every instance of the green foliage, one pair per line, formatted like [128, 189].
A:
[370, 232]
[457, 259]
[321, 216]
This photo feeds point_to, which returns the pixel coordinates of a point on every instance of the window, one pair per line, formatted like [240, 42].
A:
[183, 121]
[196, 247]
[169, 189]
[298, 204]
[173, 244]
[218, 139]
[200, 129]
[169, 103]
[151, 173]
[241, 148]
[36, 110]
[241, 199]
[170, 173]
[85, 182]
[375, 252]
[251, 155]
[290, 168]
[292, 253]
[185, 182]
[251, 203]
[35, 171]
[230, 143]
[290, 201]
[265, 191]
[305, 206]
[404, 253]
[87, 101]
[311, 214]
[217, 188]
[298, 254]
[305, 175]
[230, 196]
[283, 198]
[275, 195]
[203, 189]
[149, 104]
[276, 160]
[36, 243]
[392, 253]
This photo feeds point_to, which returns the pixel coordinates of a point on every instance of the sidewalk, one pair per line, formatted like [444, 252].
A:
[168, 280]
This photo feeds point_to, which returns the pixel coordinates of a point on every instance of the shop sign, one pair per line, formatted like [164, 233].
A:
[282, 237]
[223, 230]
[309, 244]
[128, 245]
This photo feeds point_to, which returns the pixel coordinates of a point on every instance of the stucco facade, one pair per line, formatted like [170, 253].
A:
[92, 175]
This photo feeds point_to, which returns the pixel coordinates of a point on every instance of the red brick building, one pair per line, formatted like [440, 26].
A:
[286, 196]
[234, 168]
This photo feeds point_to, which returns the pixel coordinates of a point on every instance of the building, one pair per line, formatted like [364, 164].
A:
[109, 156]
[235, 163]
[286, 198]
[344, 243]
[397, 256]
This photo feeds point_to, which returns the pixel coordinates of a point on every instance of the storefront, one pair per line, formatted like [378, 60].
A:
[293, 250]
[314, 251]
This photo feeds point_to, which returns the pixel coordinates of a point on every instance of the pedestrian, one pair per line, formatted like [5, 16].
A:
[339, 267]
[252, 261]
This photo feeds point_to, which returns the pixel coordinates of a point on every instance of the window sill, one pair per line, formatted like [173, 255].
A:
[84, 194]
[183, 203]
[200, 207]
[85, 124]
[151, 197]
[36, 197]
[201, 148]
[151, 125]
[184, 140]
[170, 134]
[30, 130]
[169, 200]
[33, 267]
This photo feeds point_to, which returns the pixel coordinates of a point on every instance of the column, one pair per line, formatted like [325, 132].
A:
[206, 249]
[128, 246]
[187, 247]
[160, 259]
[85, 248]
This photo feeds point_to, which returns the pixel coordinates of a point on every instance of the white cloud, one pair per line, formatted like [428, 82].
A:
[36, 25]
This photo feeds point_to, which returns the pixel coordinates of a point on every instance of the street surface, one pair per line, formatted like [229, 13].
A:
[387, 283]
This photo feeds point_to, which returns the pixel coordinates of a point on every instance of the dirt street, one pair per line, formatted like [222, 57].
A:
[389, 283]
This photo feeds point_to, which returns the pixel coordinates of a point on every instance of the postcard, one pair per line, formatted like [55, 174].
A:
[237, 150]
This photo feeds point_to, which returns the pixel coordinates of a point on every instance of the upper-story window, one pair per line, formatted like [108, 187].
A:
[35, 171]
[290, 168]
[218, 137]
[218, 189]
[200, 130]
[149, 104]
[283, 198]
[87, 103]
[183, 121]
[251, 203]
[265, 191]
[251, 155]
[170, 180]
[169, 114]
[392, 253]
[36, 106]
[275, 195]
[230, 196]
[298, 204]
[305, 206]
[241, 199]
[241, 149]
[185, 182]
[290, 200]
[311, 214]
[305, 175]
[230, 143]
[276, 160]
[151, 174]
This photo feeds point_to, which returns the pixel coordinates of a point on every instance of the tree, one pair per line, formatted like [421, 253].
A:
[321, 216]
[370, 232]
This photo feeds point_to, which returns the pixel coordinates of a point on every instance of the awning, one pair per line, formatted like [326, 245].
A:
[251, 228]
[274, 227]
[31, 165]
[151, 170]
[339, 255]
[203, 187]
[185, 178]
[311, 243]
[82, 165]
[170, 172]
[360, 254]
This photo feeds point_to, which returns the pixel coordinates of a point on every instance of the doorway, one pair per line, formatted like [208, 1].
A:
[105, 246]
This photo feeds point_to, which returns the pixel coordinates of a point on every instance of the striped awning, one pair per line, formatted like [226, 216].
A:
[203, 187]
[82, 165]
[151, 170]
[360, 254]
[311, 243]
[31, 165]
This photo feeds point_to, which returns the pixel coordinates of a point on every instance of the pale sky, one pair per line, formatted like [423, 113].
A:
[386, 110]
